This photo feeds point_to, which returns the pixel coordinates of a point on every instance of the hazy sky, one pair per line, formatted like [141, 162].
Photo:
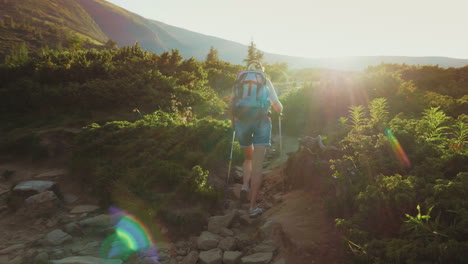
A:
[325, 28]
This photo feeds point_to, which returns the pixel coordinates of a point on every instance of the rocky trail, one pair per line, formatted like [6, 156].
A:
[58, 221]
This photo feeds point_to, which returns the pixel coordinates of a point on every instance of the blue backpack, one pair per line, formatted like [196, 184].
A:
[251, 96]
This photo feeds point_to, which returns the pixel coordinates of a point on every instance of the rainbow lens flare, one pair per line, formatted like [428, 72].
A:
[397, 149]
[131, 236]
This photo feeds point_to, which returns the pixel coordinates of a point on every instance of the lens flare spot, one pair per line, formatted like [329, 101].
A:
[127, 239]
[131, 236]
[397, 148]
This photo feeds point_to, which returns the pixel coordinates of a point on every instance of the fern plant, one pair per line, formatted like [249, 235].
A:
[433, 130]
[459, 135]
[378, 110]
[357, 116]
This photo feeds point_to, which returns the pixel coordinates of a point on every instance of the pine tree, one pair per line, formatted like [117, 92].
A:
[212, 55]
[253, 53]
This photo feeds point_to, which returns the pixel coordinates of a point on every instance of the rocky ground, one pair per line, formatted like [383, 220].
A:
[57, 220]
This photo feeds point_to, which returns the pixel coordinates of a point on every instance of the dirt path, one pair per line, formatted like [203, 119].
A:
[304, 231]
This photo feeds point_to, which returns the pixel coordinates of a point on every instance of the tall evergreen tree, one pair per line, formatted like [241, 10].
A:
[253, 53]
[212, 55]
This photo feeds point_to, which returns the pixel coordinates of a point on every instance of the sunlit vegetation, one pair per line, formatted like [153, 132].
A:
[156, 131]
[401, 180]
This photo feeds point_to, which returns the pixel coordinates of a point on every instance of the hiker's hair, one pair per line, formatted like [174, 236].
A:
[255, 66]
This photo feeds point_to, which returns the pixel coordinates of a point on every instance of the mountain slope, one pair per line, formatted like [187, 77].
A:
[122, 26]
[45, 23]
[57, 23]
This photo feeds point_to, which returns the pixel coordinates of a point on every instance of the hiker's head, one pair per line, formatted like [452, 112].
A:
[255, 66]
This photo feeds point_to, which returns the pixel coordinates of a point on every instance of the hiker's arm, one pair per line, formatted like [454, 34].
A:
[274, 98]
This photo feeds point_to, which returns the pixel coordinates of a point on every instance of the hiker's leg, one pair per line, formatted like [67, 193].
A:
[256, 176]
[247, 166]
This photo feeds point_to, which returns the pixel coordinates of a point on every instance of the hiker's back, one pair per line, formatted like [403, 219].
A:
[251, 95]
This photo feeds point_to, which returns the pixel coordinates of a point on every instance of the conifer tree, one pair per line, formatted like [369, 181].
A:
[253, 53]
[212, 55]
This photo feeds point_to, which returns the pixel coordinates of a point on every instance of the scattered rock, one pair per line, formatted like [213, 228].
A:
[231, 257]
[34, 186]
[181, 252]
[10, 249]
[225, 232]
[72, 228]
[266, 246]
[243, 241]
[227, 244]
[245, 219]
[207, 241]
[45, 203]
[97, 221]
[191, 258]
[213, 256]
[216, 223]
[84, 209]
[42, 256]
[70, 198]
[86, 260]
[57, 237]
[52, 173]
[258, 258]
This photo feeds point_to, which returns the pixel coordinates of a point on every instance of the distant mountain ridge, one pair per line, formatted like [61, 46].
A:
[99, 20]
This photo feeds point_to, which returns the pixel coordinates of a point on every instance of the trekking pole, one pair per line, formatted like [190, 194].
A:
[280, 135]
[229, 167]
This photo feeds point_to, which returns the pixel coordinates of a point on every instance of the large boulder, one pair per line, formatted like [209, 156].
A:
[34, 186]
[25, 189]
[213, 256]
[217, 223]
[45, 203]
[231, 257]
[227, 244]
[191, 258]
[207, 241]
[57, 237]
[265, 246]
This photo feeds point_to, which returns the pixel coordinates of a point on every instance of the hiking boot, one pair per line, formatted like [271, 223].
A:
[255, 212]
[244, 194]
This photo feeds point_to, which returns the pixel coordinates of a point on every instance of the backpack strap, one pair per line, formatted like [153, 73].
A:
[261, 84]
[238, 87]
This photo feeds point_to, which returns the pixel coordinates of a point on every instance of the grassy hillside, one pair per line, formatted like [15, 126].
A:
[52, 23]
[123, 26]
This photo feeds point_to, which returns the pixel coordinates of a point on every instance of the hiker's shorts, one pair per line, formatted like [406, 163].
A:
[257, 132]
